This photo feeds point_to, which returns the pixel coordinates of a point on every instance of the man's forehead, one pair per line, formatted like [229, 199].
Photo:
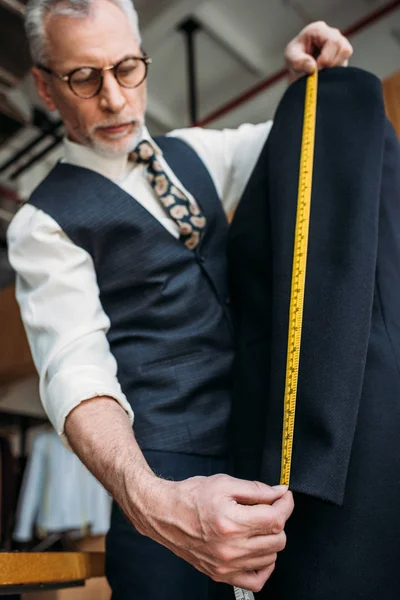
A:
[99, 39]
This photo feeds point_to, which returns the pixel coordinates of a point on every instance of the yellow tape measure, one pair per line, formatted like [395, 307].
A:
[299, 274]
[298, 285]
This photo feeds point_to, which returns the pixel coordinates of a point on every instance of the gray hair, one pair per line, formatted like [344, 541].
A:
[37, 10]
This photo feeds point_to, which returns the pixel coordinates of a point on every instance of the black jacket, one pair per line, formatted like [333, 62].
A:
[352, 301]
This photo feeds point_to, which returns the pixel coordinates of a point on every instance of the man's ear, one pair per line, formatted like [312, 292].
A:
[43, 88]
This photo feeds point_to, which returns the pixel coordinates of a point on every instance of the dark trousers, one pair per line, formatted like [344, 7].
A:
[138, 568]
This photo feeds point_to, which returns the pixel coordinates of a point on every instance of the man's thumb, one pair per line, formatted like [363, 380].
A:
[255, 492]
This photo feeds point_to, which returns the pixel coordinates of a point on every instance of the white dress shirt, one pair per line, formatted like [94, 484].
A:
[56, 283]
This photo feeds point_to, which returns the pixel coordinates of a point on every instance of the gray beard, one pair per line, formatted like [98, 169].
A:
[104, 149]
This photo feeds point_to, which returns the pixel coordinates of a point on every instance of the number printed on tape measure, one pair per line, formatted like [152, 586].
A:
[243, 594]
[298, 285]
[299, 274]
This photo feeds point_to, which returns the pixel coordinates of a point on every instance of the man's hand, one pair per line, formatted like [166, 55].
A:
[228, 528]
[317, 46]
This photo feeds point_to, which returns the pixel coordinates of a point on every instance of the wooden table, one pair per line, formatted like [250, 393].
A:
[24, 572]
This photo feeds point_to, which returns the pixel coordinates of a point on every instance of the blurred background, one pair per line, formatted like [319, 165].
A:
[217, 63]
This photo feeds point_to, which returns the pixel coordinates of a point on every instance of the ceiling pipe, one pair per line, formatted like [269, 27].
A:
[282, 73]
[190, 28]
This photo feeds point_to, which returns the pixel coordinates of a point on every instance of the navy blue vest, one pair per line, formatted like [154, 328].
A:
[168, 306]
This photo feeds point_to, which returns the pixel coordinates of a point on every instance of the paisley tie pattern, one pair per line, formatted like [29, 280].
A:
[186, 214]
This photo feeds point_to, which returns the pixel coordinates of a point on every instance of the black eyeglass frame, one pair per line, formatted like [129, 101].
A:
[114, 68]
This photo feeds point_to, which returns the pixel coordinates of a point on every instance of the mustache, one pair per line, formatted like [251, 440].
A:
[114, 123]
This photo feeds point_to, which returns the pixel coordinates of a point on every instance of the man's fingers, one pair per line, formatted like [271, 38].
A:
[285, 505]
[259, 563]
[334, 49]
[344, 53]
[253, 580]
[255, 492]
[256, 563]
[266, 519]
[298, 60]
[335, 53]
[328, 54]
[260, 546]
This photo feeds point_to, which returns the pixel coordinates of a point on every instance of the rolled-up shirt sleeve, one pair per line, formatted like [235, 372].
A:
[66, 326]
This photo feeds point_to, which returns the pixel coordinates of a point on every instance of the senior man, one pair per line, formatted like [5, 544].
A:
[122, 284]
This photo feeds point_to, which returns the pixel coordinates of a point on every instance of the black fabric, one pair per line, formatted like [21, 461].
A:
[352, 552]
[140, 569]
[343, 534]
[171, 331]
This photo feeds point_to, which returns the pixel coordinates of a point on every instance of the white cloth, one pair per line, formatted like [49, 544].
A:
[56, 282]
[59, 494]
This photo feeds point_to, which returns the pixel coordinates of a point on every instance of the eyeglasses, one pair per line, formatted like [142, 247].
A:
[86, 82]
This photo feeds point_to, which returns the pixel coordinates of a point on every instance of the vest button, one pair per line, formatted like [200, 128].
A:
[202, 259]
[227, 301]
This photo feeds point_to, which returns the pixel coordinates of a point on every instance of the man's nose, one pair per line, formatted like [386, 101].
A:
[112, 95]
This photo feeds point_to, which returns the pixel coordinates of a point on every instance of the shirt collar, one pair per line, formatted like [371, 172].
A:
[112, 167]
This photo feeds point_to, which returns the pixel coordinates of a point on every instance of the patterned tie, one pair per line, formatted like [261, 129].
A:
[186, 214]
